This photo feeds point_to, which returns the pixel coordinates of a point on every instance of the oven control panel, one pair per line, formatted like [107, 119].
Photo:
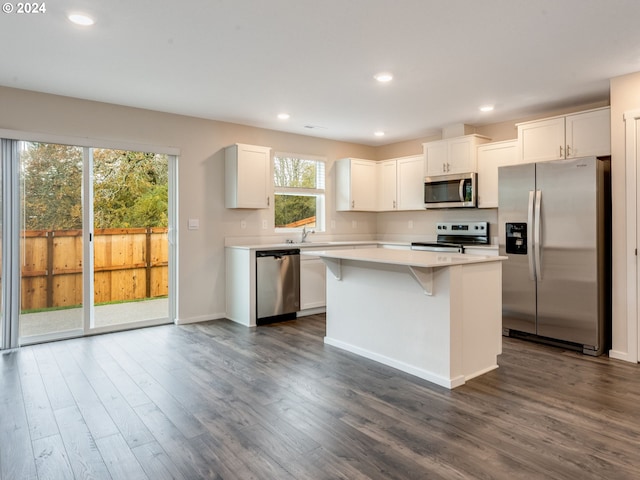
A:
[463, 228]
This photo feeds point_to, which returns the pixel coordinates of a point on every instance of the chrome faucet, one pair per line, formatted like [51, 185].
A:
[305, 234]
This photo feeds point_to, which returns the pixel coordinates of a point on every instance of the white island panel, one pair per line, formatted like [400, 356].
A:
[379, 310]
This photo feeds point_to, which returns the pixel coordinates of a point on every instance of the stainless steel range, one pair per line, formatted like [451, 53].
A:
[453, 237]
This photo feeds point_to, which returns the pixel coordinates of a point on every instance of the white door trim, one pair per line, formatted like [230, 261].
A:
[632, 181]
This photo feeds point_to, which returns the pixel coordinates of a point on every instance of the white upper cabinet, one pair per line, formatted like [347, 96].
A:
[436, 157]
[588, 133]
[401, 184]
[247, 172]
[542, 140]
[577, 135]
[452, 155]
[356, 185]
[387, 186]
[490, 157]
[410, 180]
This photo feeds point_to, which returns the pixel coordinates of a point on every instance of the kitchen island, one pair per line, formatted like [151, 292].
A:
[434, 315]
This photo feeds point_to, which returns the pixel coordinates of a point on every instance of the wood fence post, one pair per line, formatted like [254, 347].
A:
[148, 263]
[50, 235]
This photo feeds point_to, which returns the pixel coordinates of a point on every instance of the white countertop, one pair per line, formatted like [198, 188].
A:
[412, 258]
[305, 245]
[345, 243]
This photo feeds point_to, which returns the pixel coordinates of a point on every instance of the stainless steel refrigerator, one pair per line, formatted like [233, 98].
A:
[554, 225]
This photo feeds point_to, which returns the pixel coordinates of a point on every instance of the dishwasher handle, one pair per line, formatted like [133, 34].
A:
[278, 253]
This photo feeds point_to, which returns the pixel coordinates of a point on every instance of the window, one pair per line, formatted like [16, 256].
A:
[299, 191]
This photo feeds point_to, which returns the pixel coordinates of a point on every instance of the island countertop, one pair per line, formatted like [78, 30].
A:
[413, 258]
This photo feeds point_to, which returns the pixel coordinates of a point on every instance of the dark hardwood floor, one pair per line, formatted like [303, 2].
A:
[218, 400]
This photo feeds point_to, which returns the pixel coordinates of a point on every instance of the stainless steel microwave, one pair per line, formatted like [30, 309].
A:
[450, 191]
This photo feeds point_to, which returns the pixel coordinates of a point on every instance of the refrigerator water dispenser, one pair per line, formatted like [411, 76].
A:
[516, 241]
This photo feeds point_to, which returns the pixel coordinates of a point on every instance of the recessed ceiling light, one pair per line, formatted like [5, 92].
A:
[283, 116]
[383, 77]
[80, 19]
[379, 133]
[486, 108]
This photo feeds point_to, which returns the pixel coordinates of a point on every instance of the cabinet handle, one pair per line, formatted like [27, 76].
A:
[444, 167]
[560, 151]
[568, 150]
[448, 167]
[268, 201]
[353, 204]
[394, 204]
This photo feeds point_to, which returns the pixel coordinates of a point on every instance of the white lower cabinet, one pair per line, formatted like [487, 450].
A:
[240, 281]
[312, 282]
[313, 278]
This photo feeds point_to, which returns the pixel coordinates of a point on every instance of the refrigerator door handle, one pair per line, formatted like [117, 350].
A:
[530, 251]
[537, 233]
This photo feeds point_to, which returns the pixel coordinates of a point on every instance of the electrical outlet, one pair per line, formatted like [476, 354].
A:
[243, 224]
[410, 224]
[264, 224]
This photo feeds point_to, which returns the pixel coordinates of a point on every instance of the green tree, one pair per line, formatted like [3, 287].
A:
[130, 188]
[51, 181]
[294, 173]
[290, 209]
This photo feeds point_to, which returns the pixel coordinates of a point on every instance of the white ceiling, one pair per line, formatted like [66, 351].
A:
[245, 61]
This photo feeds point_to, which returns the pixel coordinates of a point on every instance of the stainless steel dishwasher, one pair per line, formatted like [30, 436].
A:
[277, 285]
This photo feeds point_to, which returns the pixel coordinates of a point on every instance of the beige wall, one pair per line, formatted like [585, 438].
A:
[625, 96]
[201, 172]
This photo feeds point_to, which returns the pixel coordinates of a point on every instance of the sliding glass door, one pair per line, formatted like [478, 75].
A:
[130, 242]
[90, 235]
[51, 240]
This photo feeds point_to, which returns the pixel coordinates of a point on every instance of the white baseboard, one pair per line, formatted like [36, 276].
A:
[201, 318]
[624, 356]
[311, 311]
[405, 367]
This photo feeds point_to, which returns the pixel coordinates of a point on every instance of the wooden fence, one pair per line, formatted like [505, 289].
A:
[129, 264]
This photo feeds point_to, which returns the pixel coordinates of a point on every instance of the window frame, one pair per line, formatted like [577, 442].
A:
[318, 193]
